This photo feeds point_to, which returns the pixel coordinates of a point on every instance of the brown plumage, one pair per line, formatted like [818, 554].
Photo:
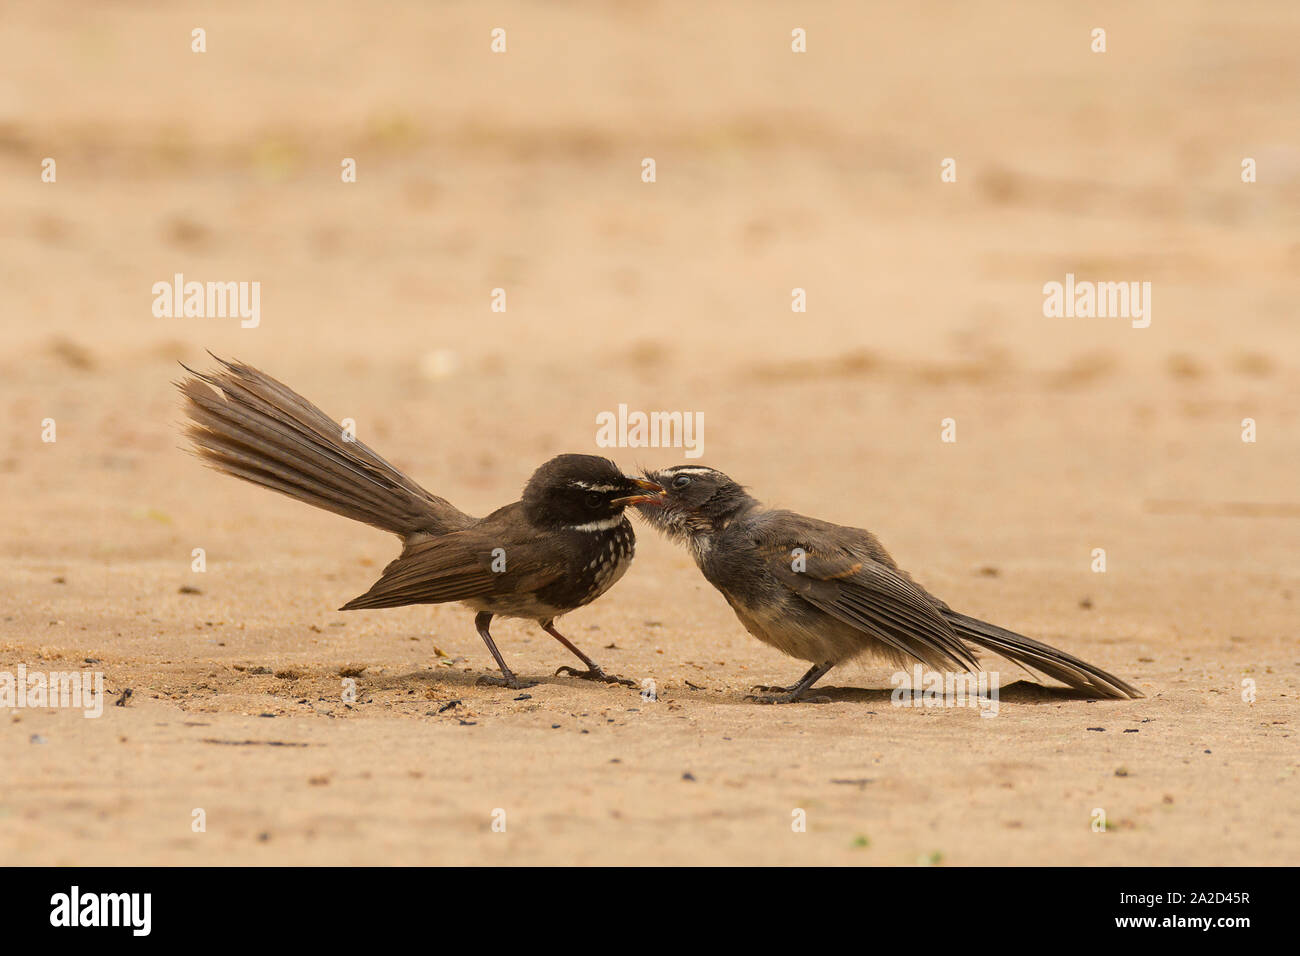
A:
[827, 594]
[564, 544]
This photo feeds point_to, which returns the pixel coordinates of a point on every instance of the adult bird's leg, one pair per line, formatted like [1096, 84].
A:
[507, 678]
[815, 673]
[593, 671]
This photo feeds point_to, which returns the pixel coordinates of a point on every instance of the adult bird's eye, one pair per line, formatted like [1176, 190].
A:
[681, 481]
[593, 499]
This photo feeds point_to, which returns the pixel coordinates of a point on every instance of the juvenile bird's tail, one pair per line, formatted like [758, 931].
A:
[1064, 667]
[257, 429]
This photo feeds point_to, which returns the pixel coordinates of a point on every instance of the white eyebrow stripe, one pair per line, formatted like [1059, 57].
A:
[689, 470]
[590, 487]
[604, 524]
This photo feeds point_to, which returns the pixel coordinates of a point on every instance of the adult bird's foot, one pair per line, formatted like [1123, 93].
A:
[789, 698]
[513, 682]
[595, 673]
[771, 689]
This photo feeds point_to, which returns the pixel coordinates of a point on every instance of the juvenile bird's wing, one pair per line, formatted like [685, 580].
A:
[845, 573]
[849, 575]
[483, 561]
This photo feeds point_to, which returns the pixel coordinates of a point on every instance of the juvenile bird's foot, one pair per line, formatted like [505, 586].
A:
[511, 681]
[595, 673]
[788, 698]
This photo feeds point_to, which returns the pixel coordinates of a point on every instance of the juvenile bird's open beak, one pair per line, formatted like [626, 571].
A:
[655, 497]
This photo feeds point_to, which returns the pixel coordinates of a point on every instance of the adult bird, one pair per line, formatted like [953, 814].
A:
[562, 545]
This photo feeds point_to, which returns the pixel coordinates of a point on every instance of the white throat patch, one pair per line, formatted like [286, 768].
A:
[603, 524]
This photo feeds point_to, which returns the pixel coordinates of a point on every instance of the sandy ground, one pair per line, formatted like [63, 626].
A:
[774, 171]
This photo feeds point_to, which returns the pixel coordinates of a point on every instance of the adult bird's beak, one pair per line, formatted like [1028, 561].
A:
[655, 497]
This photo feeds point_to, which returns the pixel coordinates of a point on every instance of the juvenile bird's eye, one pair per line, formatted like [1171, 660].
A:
[593, 499]
[681, 481]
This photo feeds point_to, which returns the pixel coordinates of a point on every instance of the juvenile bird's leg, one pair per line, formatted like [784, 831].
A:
[593, 671]
[774, 689]
[796, 693]
[507, 678]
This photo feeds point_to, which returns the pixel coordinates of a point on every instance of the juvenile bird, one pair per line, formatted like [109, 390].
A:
[827, 594]
[564, 544]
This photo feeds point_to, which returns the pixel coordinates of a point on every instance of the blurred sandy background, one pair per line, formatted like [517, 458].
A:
[775, 171]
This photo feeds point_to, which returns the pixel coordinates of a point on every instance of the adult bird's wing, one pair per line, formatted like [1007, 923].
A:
[845, 573]
[462, 566]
